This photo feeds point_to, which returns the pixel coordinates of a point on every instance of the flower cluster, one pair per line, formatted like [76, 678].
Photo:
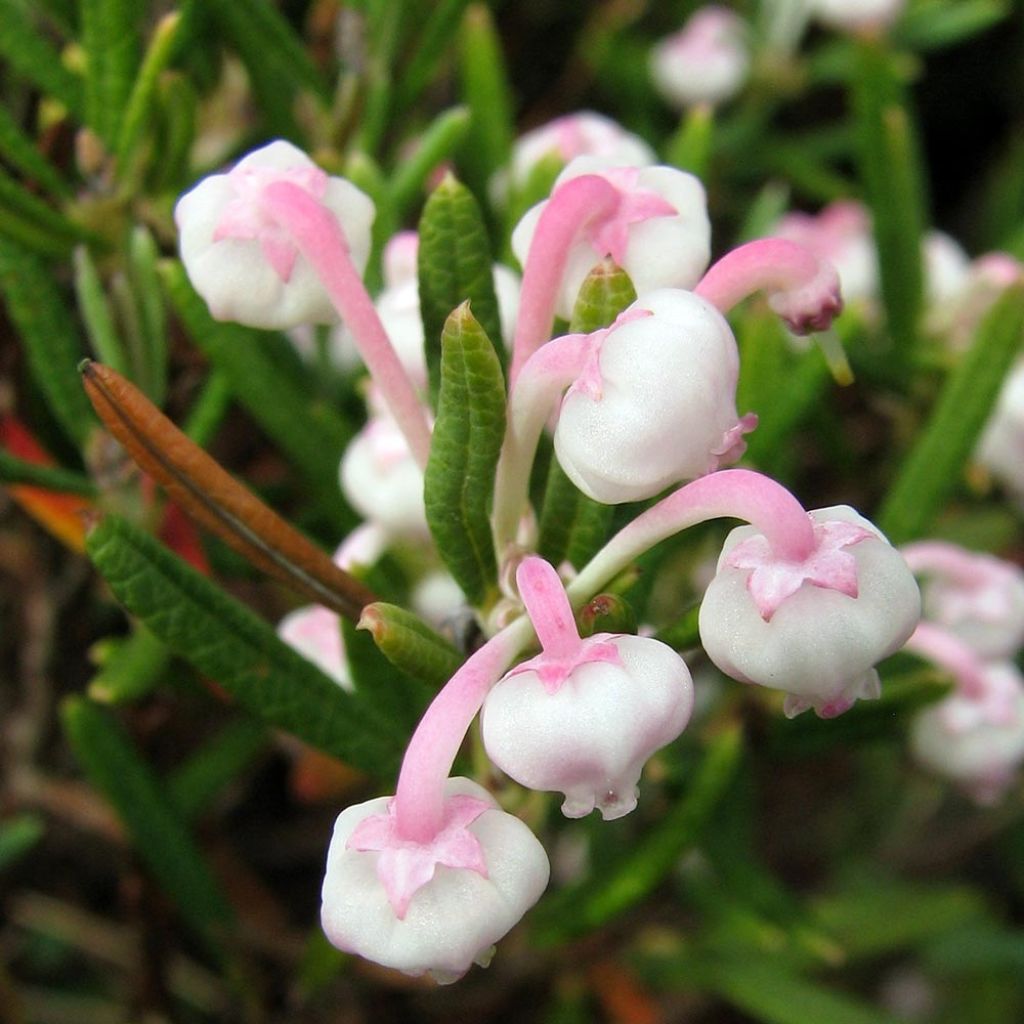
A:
[805, 603]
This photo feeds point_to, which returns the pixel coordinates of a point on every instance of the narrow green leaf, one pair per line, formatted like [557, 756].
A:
[410, 644]
[208, 410]
[455, 265]
[48, 333]
[131, 670]
[385, 30]
[934, 24]
[581, 909]
[17, 837]
[121, 774]
[148, 300]
[178, 114]
[225, 641]
[894, 185]
[29, 219]
[379, 685]
[311, 434]
[771, 993]
[140, 104]
[97, 315]
[436, 145]
[278, 64]
[485, 89]
[194, 784]
[30, 56]
[20, 151]
[689, 149]
[934, 465]
[432, 44]
[459, 480]
[111, 37]
[17, 471]
[684, 632]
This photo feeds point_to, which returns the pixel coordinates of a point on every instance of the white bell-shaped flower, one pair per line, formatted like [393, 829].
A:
[975, 738]
[241, 259]
[583, 716]
[659, 234]
[657, 402]
[856, 15]
[436, 907]
[814, 629]
[1001, 448]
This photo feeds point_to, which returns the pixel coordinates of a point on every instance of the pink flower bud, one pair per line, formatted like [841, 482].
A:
[976, 737]
[816, 628]
[706, 61]
[589, 736]
[434, 907]
[976, 597]
[659, 232]
[242, 261]
[657, 402]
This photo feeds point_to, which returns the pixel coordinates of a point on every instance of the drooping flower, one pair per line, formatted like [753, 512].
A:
[814, 628]
[706, 61]
[1001, 447]
[238, 256]
[656, 403]
[584, 715]
[430, 907]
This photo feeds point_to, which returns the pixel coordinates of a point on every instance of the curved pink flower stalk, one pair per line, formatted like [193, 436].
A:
[727, 493]
[534, 392]
[802, 288]
[573, 207]
[949, 560]
[949, 652]
[321, 241]
[418, 807]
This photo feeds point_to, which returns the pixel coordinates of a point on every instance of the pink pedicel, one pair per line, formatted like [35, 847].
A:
[653, 220]
[801, 287]
[584, 715]
[434, 906]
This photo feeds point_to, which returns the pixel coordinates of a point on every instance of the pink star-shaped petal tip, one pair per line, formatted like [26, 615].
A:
[405, 866]
[554, 670]
[828, 566]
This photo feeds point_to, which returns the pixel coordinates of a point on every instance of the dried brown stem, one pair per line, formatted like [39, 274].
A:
[211, 496]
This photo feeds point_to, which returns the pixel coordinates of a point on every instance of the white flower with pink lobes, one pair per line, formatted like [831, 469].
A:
[435, 906]
[657, 228]
[584, 715]
[814, 628]
[243, 261]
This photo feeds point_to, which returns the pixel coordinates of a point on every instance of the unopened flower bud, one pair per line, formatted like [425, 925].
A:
[706, 61]
[241, 259]
[813, 628]
[434, 907]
